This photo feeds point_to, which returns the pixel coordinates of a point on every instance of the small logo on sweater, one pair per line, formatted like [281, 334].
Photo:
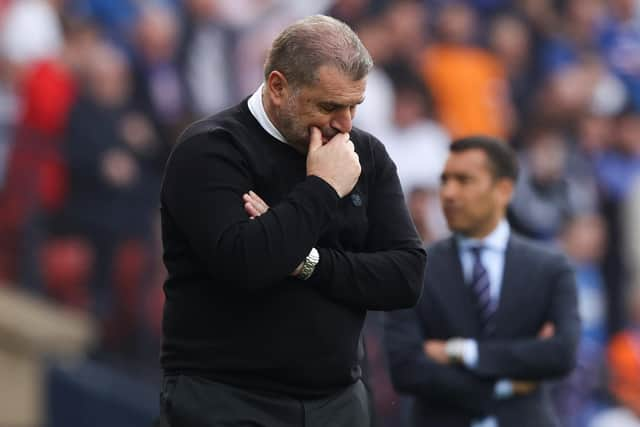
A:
[356, 200]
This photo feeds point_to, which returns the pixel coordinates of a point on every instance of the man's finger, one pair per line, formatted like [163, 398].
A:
[315, 139]
[523, 387]
[547, 331]
[258, 202]
[251, 210]
[340, 138]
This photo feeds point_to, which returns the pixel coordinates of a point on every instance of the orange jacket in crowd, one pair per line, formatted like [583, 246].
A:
[624, 365]
[469, 89]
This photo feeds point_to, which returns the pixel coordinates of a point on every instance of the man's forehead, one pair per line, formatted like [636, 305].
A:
[471, 160]
[470, 155]
[343, 99]
[332, 85]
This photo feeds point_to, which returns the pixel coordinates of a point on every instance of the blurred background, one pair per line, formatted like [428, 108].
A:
[94, 92]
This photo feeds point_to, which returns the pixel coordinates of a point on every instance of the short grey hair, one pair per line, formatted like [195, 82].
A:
[311, 42]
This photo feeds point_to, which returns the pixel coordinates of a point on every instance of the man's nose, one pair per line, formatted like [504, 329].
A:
[447, 190]
[342, 120]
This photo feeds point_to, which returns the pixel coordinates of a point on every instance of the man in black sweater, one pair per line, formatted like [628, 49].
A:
[282, 225]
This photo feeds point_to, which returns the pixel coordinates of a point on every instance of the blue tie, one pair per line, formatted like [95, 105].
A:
[481, 288]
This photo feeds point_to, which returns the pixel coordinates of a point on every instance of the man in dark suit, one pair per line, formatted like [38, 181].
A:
[498, 314]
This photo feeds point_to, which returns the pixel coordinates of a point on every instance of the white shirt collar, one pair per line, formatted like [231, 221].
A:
[257, 109]
[497, 240]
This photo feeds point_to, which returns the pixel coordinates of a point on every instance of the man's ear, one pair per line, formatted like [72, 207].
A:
[505, 188]
[277, 88]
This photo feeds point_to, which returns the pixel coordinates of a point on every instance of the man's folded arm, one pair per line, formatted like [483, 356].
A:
[412, 372]
[205, 179]
[384, 280]
[389, 273]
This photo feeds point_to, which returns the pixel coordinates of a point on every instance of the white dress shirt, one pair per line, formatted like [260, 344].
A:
[257, 109]
[494, 247]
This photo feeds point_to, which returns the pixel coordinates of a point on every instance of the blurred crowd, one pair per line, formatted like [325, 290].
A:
[94, 92]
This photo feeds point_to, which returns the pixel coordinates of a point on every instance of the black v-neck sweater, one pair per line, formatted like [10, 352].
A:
[233, 313]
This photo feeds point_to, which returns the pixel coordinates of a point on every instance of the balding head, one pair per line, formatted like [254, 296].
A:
[303, 47]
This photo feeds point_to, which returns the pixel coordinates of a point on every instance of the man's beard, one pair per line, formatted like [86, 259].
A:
[296, 133]
[290, 127]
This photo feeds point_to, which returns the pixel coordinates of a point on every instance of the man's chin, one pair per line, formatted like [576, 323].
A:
[456, 227]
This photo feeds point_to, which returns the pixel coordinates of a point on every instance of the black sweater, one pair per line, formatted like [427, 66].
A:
[233, 313]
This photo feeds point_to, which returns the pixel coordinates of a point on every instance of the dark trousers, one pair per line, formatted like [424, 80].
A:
[187, 401]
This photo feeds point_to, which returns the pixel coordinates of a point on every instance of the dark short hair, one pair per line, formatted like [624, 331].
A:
[311, 42]
[503, 162]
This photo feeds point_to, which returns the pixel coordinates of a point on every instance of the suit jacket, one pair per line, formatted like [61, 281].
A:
[538, 285]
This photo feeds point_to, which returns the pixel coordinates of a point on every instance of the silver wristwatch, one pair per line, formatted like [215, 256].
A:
[309, 264]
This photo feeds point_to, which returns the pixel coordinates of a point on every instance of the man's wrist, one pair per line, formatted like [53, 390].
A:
[309, 264]
[329, 183]
[462, 350]
[503, 389]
